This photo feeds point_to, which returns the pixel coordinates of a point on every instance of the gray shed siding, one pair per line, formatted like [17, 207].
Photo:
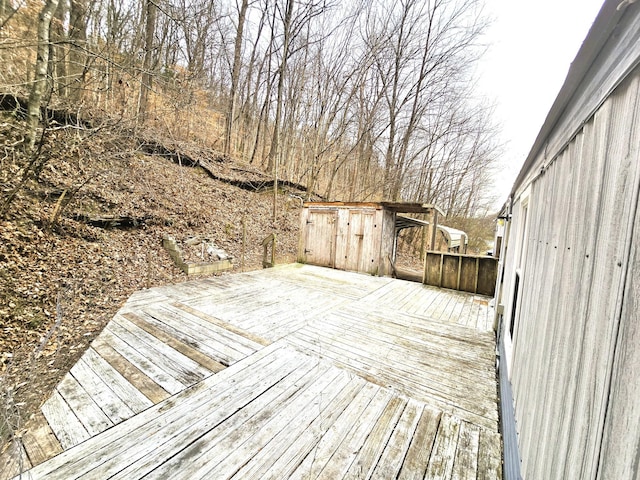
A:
[574, 363]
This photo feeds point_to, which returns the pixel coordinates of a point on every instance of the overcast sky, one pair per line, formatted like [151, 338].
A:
[532, 45]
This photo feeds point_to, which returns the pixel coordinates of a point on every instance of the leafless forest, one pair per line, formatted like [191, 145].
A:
[356, 100]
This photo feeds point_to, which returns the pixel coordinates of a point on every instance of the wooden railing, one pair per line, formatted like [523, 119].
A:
[467, 273]
[270, 240]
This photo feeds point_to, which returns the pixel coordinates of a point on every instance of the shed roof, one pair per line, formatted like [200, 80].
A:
[397, 207]
[408, 207]
[408, 222]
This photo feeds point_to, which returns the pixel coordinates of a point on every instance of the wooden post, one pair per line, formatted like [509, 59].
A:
[433, 222]
[424, 269]
[475, 285]
[148, 272]
[271, 239]
[273, 251]
[244, 240]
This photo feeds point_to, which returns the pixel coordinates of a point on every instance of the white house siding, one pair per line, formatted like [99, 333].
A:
[575, 365]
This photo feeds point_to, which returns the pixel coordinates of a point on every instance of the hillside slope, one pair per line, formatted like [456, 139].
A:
[62, 276]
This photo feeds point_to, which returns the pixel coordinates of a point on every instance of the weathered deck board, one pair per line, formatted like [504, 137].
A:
[132, 374]
[408, 381]
[133, 439]
[83, 406]
[373, 446]
[422, 363]
[465, 465]
[182, 347]
[68, 429]
[14, 460]
[489, 455]
[389, 330]
[392, 457]
[146, 359]
[444, 449]
[101, 393]
[261, 402]
[311, 425]
[179, 366]
[348, 449]
[227, 326]
[249, 441]
[417, 459]
[126, 391]
[268, 313]
[291, 372]
[202, 339]
[39, 440]
[364, 347]
[317, 459]
[243, 342]
[276, 434]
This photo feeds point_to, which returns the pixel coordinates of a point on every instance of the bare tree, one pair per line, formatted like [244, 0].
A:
[295, 21]
[78, 45]
[41, 70]
[357, 100]
[147, 75]
[421, 53]
[235, 76]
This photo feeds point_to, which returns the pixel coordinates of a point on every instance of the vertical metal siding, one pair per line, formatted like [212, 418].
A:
[619, 457]
[568, 333]
[620, 450]
[508, 428]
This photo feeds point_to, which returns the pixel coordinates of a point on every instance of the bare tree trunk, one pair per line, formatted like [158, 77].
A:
[274, 152]
[147, 77]
[235, 76]
[7, 11]
[78, 38]
[264, 109]
[59, 59]
[41, 70]
[250, 108]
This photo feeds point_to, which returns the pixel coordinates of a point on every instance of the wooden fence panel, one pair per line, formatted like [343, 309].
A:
[487, 274]
[450, 269]
[467, 273]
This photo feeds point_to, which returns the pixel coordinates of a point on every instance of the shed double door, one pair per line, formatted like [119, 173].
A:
[362, 242]
[320, 238]
[343, 239]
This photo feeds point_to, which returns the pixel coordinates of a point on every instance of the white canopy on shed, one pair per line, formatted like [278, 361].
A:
[455, 238]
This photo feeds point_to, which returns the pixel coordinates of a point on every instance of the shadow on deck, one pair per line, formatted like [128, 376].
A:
[291, 372]
[408, 275]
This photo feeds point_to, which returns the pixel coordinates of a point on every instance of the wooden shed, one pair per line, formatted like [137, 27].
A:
[359, 237]
[569, 288]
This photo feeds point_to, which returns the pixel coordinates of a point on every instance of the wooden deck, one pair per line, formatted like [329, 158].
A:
[291, 372]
